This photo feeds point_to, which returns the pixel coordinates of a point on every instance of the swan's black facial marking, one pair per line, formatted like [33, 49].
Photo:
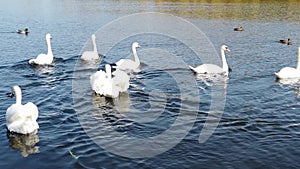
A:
[11, 94]
[113, 67]
[226, 49]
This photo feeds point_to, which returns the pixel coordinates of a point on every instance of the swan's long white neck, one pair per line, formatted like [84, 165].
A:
[298, 64]
[108, 71]
[136, 58]
[18, 94]
[94, 45]
[49, 47]
[224, 62]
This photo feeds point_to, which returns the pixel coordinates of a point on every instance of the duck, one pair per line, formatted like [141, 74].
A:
[109, 84]
[288, 41]
[214, 69]
[21, 31]
[290, 72]
[91, 55]
[239, 29]
[44, 59]
[128, 64]
[21, 118]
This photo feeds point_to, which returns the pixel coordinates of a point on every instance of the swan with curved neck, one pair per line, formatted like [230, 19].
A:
[127, 64]
[44, 59]
[290, 72]
[21, 118]
[211, 68]
[91, 55]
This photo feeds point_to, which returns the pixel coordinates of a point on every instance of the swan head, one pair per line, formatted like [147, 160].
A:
[225, 48]
[135, 45]
[113, 67]
[93, 36]
[48, 36]
[108, 68]
[16, 90]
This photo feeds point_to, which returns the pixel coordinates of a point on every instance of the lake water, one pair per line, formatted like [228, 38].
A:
[158, 122]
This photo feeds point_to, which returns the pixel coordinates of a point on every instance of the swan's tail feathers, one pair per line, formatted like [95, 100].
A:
[192, 68]
[277, 74]
[32, 61]
[119, 63]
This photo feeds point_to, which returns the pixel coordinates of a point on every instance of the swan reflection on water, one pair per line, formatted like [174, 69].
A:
[25, 143]
[213, 79]
[294, 82]
[43, 69]
[291, 81]
[122, 103]
[112, 111]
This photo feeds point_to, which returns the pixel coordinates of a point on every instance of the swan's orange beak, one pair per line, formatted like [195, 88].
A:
[139, 46]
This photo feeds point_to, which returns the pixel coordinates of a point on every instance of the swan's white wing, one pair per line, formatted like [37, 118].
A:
[127, 64]
[111, 89]
[104, 86]
[288, 72]
[12, 113]
[121, 79]
[22, 118]
[118, 63]
[97, 81]
[89, 55]
[32, 116]
[42, 59]
[32, 110]
[199, 69]
[207, 69]
[97, 75]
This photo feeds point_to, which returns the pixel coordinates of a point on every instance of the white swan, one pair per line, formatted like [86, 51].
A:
[91, 55]
[104, 84]
[214, 69]
[289, 72]
[21, 118]
[44, 59]
[127, 64]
